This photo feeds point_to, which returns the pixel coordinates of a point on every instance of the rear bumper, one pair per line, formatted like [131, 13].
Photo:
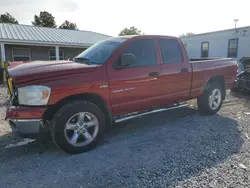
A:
[25, 121]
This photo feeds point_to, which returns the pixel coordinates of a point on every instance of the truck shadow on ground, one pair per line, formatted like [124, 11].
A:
[162, 148]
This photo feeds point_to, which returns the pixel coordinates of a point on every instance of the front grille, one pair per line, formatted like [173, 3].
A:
[7, 81]
[14, 95]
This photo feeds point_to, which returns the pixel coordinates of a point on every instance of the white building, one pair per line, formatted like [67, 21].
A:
[233, 43]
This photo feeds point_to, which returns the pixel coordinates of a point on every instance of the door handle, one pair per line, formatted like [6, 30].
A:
[184, 70]
[154, 74]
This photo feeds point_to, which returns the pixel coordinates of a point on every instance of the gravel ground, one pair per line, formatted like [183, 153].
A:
[5, 135]
[180, 148]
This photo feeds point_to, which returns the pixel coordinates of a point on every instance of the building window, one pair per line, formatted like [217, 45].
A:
[232, 47]
[21, 54]
[204, 49]
[52, 55]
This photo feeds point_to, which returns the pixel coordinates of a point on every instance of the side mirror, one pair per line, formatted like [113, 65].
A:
[127, 59]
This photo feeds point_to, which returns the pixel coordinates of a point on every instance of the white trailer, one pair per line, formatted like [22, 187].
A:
[233, 43]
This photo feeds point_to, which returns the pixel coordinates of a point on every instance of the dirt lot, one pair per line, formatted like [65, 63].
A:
[180, 148]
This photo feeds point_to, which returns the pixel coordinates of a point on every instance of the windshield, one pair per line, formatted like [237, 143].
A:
[99, 52]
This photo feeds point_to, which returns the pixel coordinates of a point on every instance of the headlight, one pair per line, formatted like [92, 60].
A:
[33, 95]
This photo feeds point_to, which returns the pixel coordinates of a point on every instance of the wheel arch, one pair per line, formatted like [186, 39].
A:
[217, 79]
[91, 97]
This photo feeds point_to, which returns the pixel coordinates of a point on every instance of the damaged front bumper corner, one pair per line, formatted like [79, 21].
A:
[25, 121]
[24, 127]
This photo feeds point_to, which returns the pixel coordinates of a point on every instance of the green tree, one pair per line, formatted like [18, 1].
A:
[68, 25]
[130, 31]
[187, 34]
[44, 19]
[7, 18]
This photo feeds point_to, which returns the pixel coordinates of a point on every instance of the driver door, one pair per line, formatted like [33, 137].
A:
[136, 87]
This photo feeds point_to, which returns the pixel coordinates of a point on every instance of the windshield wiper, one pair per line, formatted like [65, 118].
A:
[81, 60]
[86, 61]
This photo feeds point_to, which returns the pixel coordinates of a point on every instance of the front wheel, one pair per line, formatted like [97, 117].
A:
[78, 126]
[211, 100]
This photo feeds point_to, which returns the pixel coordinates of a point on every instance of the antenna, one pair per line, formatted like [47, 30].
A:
[235, 24]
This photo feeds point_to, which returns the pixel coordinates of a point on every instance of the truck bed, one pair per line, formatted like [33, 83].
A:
[204, 69]
[194, 60]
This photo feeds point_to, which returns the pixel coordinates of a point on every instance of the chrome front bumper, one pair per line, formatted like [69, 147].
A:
[25, 126]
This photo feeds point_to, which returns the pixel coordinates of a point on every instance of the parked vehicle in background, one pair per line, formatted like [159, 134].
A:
[242, 82]
[240, 67]
[15, 63]
[78, 100]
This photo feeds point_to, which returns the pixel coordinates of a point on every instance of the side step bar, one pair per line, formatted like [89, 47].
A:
[135, 115]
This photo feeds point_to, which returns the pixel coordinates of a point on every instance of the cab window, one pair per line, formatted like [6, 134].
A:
[144, 51]
[170, 51]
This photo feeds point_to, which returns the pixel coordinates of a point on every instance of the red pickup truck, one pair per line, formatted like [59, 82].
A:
[113, 80]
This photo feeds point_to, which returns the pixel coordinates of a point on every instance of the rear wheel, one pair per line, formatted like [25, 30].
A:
[211, 100]
[78, 127]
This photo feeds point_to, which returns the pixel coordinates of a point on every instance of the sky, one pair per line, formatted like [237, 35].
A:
[165, 17]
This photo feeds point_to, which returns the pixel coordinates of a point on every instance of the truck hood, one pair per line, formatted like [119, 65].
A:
[46, 69]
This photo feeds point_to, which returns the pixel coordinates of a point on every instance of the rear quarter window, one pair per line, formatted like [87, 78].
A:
[171, 51]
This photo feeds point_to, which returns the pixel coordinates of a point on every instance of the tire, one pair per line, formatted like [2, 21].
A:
[74, 116]
[203, 101]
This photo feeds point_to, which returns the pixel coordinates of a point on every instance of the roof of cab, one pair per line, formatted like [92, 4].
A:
[145, 36]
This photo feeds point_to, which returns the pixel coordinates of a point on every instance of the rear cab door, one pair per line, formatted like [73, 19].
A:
[136, 87]
[176, 77]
